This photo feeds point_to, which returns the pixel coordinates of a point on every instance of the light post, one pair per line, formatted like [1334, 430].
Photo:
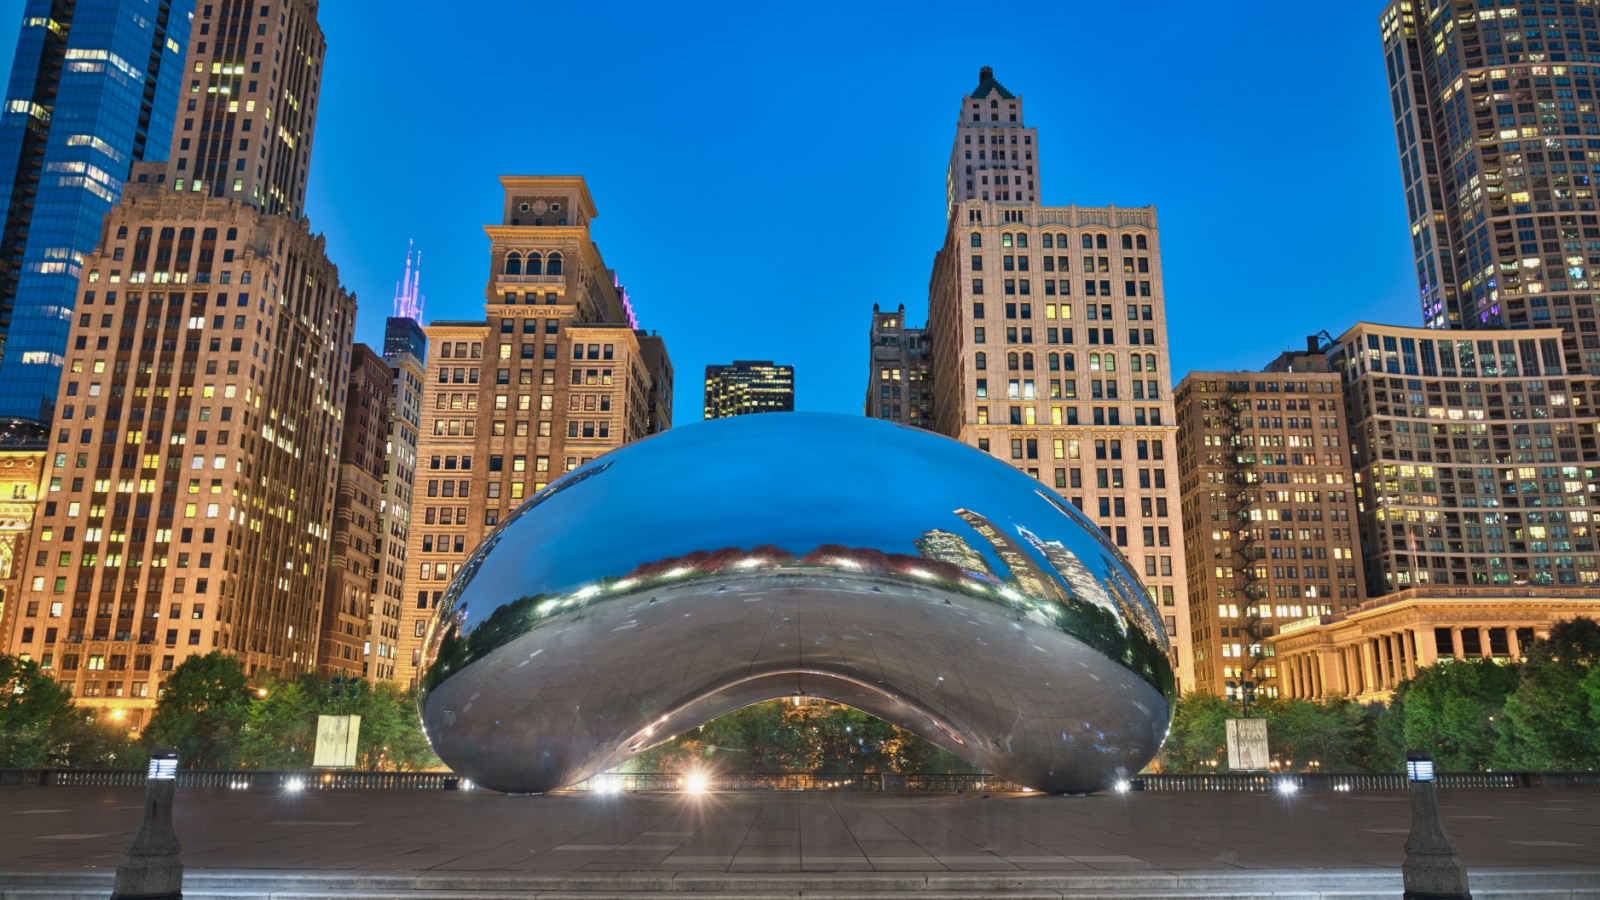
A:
[1432, 869]
[151, 869]
[1246, 691]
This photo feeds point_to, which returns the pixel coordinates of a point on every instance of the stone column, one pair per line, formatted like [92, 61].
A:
[1369, 681]
[1512, 645]
[1455, 643]
[1483, 643]
[1427, 650]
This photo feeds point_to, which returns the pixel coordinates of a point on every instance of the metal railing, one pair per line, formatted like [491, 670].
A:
[241, 779]
[629, 782]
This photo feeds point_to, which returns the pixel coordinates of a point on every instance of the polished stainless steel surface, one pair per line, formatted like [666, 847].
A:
[765, 556]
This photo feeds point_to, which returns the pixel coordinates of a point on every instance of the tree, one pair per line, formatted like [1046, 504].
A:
[1328, 737]
[391, 730]
[204, 711]
[1550, 722]
[40, 727]
[1197, 741]
[31, 704]
[1450, 708]
[279, 730]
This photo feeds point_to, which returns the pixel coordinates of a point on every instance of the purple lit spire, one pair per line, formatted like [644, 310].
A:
[408, 297]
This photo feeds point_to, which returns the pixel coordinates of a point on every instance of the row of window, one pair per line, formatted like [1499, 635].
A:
[533, 263]
[1069, 362]
[1099, 415]
[1106, 337]
[1063, 288]
[1052, 240]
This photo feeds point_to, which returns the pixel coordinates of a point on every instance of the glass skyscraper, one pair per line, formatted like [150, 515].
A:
[94, 88]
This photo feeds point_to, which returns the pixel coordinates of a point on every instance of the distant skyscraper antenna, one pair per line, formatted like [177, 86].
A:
[408, 297]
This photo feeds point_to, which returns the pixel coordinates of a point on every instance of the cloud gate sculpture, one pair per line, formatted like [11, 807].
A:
[766, 556]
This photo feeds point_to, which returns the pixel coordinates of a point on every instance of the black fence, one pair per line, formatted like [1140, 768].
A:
[1232, 782]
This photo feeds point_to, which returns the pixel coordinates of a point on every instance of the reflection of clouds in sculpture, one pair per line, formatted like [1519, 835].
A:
[694, 569]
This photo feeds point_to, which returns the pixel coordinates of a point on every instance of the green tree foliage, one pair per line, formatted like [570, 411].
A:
[1451, 708]
[203, 712]
[778, 737]
[1197, 741]
[217, 719]
[1325, 737]
[1550, 720]
[40, 727]
[391, 736]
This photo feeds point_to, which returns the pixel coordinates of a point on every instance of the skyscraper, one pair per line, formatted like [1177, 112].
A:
[553, 376]
[1497, 133]
[1068, 378]
[405, 349]
[1472, 465]
[1268, 513]
[195, 450]
[747, 386]
[359, 624]
[94, 86]
[899, 386]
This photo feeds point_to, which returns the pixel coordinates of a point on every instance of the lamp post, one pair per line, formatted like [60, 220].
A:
[1432, 869]
[1246, 691]
[151, 869]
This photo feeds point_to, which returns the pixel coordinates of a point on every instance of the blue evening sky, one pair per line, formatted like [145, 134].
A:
[767, 172]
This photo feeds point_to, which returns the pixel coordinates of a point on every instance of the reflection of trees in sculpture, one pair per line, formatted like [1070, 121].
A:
[775, 736]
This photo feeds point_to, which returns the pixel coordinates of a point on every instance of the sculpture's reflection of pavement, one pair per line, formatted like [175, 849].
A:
[395, 831]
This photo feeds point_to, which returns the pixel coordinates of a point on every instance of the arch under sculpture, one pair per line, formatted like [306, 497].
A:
[712, 566]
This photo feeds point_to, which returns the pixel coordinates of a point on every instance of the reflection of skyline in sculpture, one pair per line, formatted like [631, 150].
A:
[690, 574]
[1134, 601]
[1026, 575]
[1081, 584]
[952, 548]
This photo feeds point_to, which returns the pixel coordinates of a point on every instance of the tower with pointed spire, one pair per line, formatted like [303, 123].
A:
[1047, 345]
[995, 156]
[408, 297]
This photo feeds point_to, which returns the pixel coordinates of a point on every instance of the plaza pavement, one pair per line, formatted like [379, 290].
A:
[61, 842]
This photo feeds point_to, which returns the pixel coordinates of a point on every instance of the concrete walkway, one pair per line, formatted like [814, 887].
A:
[1053, 846]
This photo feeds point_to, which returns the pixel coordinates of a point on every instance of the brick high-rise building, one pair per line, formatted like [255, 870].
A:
[1268, 510]
[194, 456]
[552, 377]
[356, 618]
[899, 383]
[747, 386]
[1498, 134]
[1473, 463]
[1049, 344]
[94, 86]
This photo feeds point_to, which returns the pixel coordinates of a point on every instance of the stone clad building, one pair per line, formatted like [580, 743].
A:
[555, 375]
[899, 380]
[1365, 653]
[1048, 344]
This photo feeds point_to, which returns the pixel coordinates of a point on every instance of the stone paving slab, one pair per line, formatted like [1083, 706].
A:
[661, 842]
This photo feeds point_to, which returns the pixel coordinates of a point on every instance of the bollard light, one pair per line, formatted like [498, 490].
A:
[1419, 765]
[163, 765]
[151, 869]
[1432, 869]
